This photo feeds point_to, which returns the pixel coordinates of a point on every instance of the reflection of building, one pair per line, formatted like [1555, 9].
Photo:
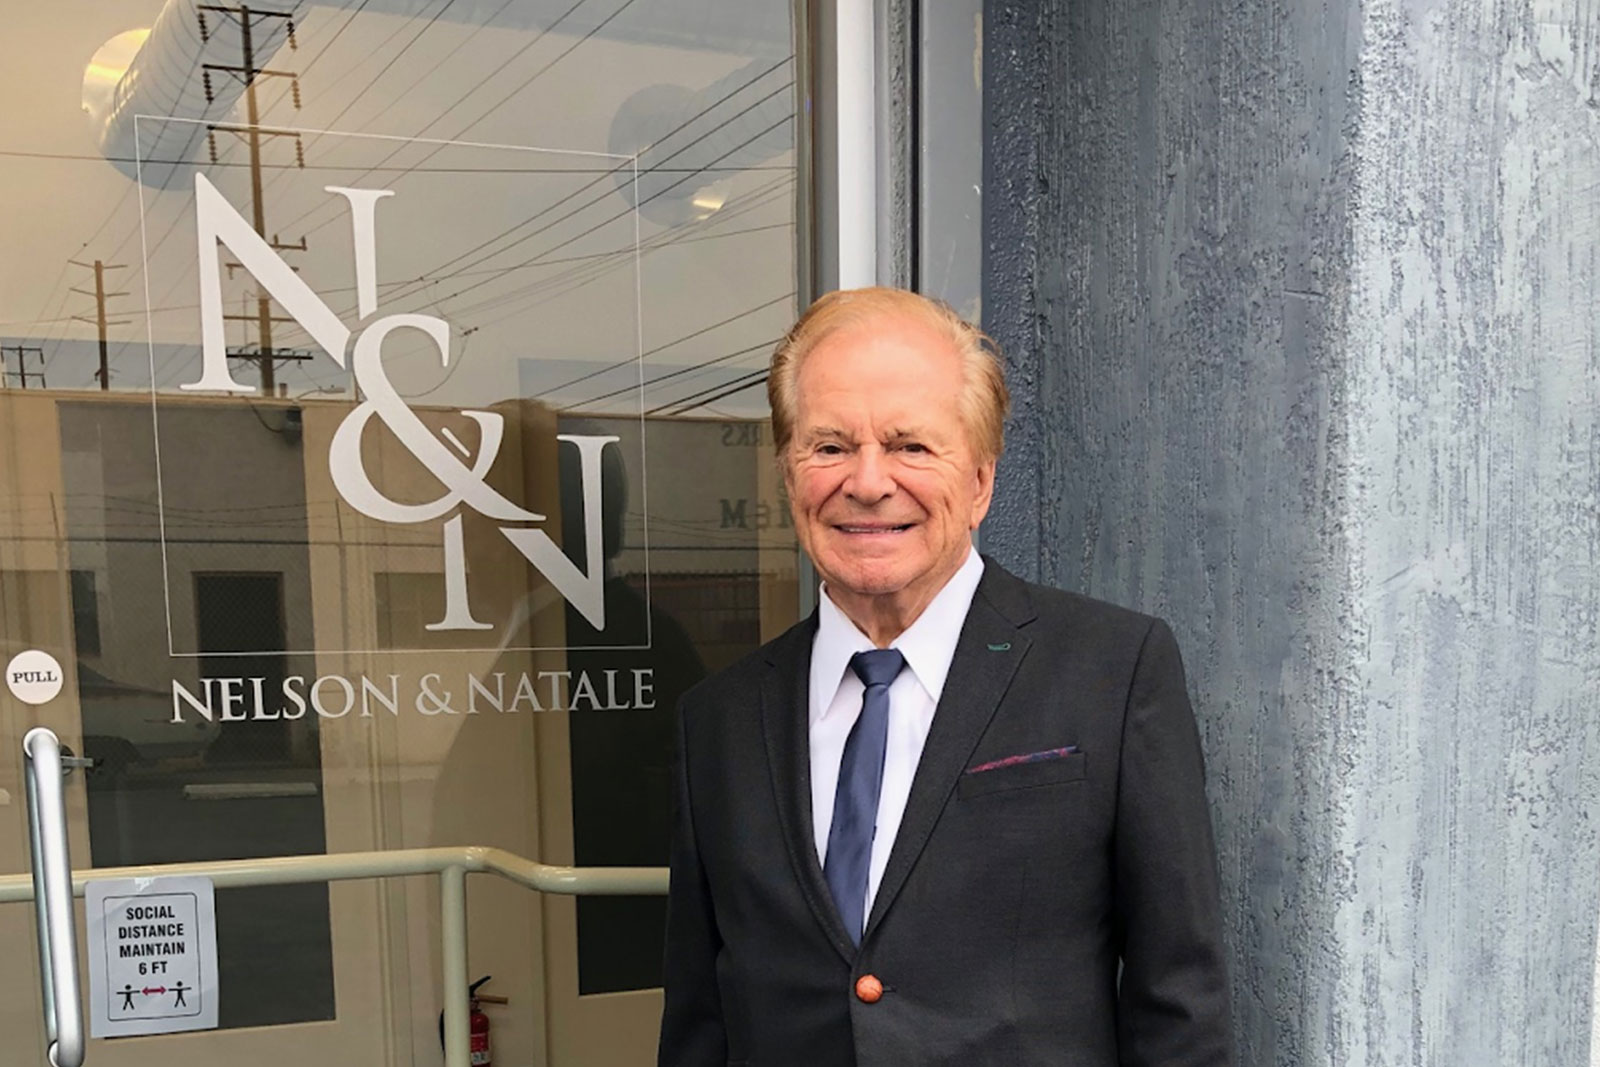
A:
[712, 525]
[188, 602]
[319, 706]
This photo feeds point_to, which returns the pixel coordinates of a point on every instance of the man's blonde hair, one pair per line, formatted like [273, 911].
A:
[984, 398]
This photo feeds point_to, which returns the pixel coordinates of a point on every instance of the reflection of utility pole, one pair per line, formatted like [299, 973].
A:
[265, 355]
[100, 296]
[23, 374]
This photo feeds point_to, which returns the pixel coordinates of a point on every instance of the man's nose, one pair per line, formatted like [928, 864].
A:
[871, 478]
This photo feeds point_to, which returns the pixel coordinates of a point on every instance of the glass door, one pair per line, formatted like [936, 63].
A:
[383, 449]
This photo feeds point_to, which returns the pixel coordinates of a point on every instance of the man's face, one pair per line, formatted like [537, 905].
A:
[885, 485]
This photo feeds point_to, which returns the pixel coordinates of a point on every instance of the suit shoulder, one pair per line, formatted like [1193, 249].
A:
[1059, 605]
[1060, 613]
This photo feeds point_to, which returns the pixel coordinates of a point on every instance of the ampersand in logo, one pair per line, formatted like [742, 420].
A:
[463, 478]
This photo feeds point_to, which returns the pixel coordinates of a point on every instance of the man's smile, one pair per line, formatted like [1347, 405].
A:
[859, 528]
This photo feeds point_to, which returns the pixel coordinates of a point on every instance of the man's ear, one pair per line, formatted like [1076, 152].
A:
[985, 492]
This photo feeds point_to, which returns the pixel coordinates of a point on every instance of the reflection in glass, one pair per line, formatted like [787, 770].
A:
[593, 205]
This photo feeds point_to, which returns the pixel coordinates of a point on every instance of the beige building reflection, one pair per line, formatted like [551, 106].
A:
[269, 575]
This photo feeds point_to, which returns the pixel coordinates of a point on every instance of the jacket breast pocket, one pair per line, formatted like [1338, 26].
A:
[1069, 768]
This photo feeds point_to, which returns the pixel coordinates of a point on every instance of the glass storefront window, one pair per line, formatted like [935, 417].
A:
[384, 452]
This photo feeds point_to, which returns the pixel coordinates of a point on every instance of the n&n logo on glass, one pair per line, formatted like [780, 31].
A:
[461, 474]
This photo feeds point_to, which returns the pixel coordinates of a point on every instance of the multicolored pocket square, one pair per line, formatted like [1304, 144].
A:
[1028, 757]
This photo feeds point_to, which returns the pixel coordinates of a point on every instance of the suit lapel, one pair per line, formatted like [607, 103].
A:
[987, 655]
[785, 722]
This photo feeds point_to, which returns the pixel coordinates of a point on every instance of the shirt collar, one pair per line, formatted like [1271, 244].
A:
[928, 644]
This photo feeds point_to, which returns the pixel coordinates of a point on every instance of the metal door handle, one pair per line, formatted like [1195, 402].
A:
[52, 896]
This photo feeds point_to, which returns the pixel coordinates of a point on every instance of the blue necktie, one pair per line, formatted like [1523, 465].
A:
[855, 801]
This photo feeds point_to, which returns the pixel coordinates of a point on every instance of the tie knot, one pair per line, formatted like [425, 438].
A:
[877, 667]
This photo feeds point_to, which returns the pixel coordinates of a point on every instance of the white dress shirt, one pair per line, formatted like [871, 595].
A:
[835, 703]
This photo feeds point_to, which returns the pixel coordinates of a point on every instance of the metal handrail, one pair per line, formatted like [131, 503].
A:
[397, 863]
[51, 881]
[452, 865]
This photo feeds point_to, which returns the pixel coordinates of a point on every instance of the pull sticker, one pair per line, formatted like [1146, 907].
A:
[34, 676]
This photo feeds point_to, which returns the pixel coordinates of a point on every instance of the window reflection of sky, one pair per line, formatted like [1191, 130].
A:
[704, 92]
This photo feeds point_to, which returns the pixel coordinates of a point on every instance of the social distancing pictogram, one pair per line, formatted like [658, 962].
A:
[152, 956]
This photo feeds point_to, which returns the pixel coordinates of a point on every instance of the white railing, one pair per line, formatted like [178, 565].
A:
[51, 882]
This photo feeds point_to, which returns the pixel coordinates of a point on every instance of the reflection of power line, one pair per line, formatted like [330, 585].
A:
[136, 230]
[434, 275]
[177, 166]
[127, 192]
[461, 357]
[523, 300]
[399, 170]
[371, 82]
[57, 318]
[57, 337]
[606, 195]
[481, 83]
[559, 285]
[686, 122]
[263, 353]
[103, 375]
[545, 257]
[340, 167]
[613, 170]
[580, 276]
[562, 244]
[662, 348]
[354, 68]
[345, 25]
[419, 79]
[548, 263]
[611, 255]
[596, 264]
[680, 406]
[340, 289]
[662, 241]
[22, 374]
[570, 259]
[576, 408]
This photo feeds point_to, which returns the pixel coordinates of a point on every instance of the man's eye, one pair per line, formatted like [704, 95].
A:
[830, 450]
[913, 446]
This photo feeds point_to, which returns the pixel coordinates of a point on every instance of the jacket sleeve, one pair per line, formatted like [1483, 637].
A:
[692, 1033]
[1172, 1008]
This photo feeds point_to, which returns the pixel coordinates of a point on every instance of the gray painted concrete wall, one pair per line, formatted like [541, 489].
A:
[1302, 305]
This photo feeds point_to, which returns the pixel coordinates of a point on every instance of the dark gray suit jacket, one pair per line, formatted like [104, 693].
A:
[1012, 895]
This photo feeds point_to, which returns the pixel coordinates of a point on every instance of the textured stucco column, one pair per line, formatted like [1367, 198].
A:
[1302, 303]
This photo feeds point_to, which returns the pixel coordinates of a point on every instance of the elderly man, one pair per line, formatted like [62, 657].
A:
[951, 818]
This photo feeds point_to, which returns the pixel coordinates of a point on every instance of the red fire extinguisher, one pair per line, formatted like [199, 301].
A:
[477, 1025]
[481, 1056]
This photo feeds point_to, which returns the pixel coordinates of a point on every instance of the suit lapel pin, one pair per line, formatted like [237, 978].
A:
[1003, 647]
